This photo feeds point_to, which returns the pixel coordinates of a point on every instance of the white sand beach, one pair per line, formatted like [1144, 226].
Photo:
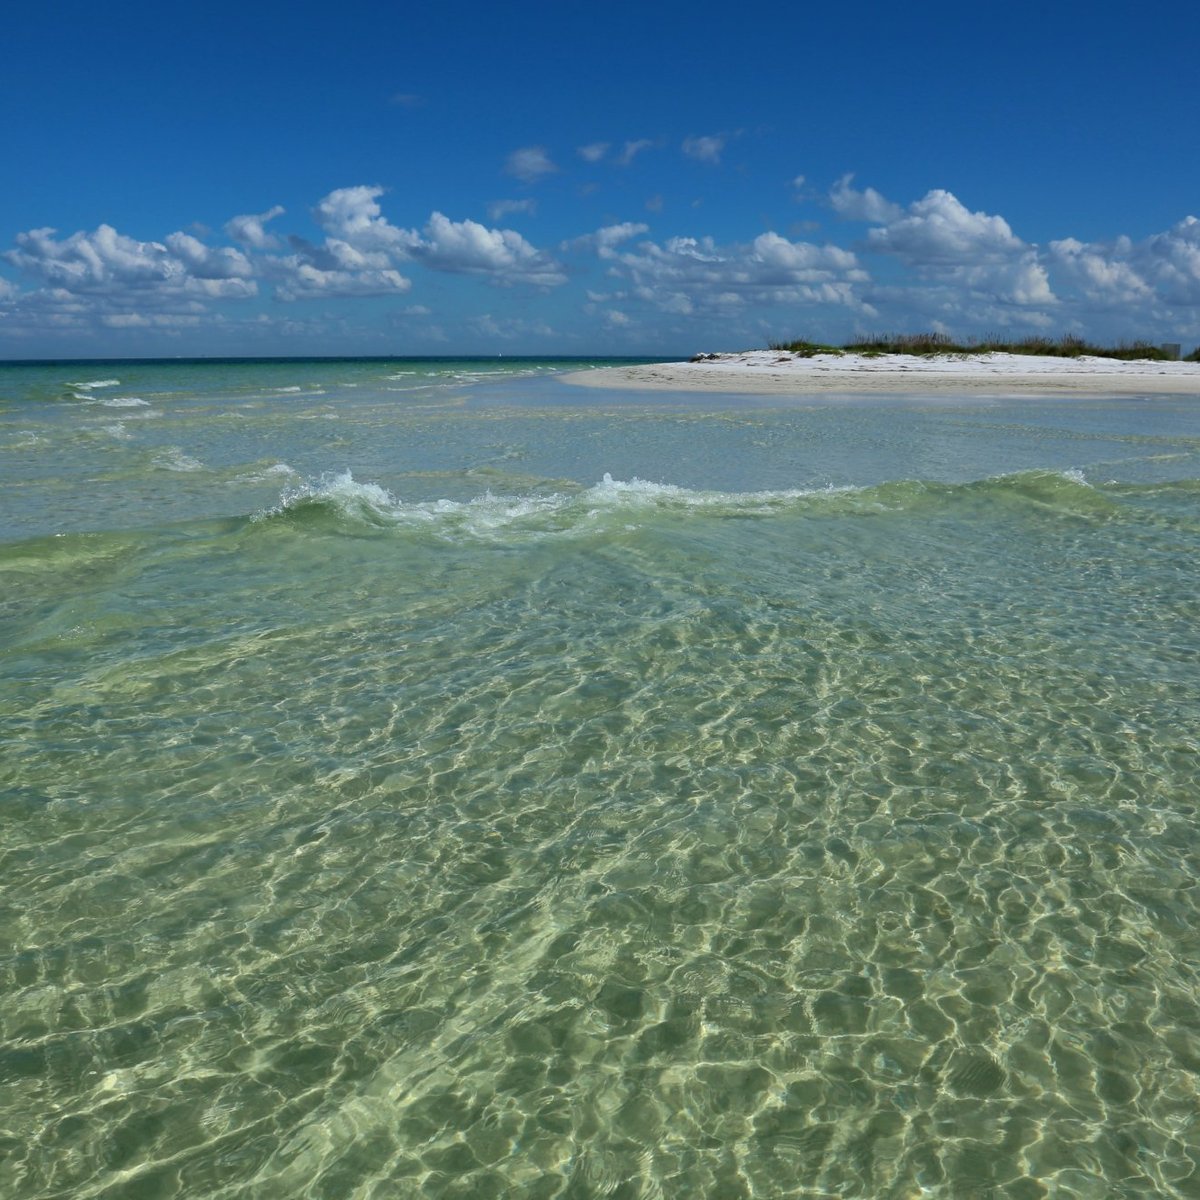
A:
[770, 372]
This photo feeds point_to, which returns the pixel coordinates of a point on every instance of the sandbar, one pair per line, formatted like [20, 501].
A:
[778, 373]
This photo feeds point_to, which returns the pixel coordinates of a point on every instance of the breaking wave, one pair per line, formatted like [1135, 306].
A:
[341, 499]
[93, 385]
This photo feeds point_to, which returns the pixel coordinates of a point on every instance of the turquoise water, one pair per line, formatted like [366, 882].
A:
[429, 779]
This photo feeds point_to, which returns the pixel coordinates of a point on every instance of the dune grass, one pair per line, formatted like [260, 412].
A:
[1067, 346]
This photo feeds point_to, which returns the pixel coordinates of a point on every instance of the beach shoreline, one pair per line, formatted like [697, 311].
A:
[778, 373]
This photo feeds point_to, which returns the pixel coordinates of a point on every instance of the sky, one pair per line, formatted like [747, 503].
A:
[565, 178]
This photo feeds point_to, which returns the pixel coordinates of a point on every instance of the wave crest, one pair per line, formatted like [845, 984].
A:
[341, 499]
[91, 385]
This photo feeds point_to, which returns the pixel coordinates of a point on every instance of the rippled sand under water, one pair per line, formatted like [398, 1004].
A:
[606, 839]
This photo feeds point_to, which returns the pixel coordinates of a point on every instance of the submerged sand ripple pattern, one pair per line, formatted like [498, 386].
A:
[797, 852]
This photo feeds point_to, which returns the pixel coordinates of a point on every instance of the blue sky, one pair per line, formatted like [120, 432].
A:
[558, 178]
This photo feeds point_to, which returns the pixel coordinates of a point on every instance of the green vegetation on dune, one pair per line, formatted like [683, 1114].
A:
[805, 349]
[1067, 346]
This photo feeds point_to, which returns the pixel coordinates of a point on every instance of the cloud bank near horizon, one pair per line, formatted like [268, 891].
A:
[931, 263]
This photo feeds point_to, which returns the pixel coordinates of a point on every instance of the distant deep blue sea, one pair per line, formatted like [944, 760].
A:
[426, 778]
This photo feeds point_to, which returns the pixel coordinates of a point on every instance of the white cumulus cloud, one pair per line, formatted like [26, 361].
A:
[604, 240]
[939, 229]
[90, 261]
[296, 279]
[867, 205]
[362, 250]
[942, 239]
[1164, 267]
[205, 262]
[249, 230]
[93, 281]
[631, 150]
[499, 209]
[506, 327]
[107, 263]
[685, 274]
[1102, 273]
[332, 270]
[1172, 260]
[502, 255]
[353, 215]
[705, 149]
[529, 164]
[357, 258]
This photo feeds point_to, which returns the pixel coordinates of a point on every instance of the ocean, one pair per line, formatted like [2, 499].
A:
[426, 778]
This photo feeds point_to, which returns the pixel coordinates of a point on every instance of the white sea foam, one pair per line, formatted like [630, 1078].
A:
[24, 439]
[632, 502]
[95, 384]
[124, 402]
[340, 488]
[613, 492]
[265, 474]
[533, 515]
[173, 458]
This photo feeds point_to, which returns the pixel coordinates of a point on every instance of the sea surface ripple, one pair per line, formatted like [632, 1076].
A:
[481, 791]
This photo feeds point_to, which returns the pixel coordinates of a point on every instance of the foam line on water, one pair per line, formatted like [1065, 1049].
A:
[92, 385]
[534, 514]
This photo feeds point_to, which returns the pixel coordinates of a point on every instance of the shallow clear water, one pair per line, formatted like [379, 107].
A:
[396, 805]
